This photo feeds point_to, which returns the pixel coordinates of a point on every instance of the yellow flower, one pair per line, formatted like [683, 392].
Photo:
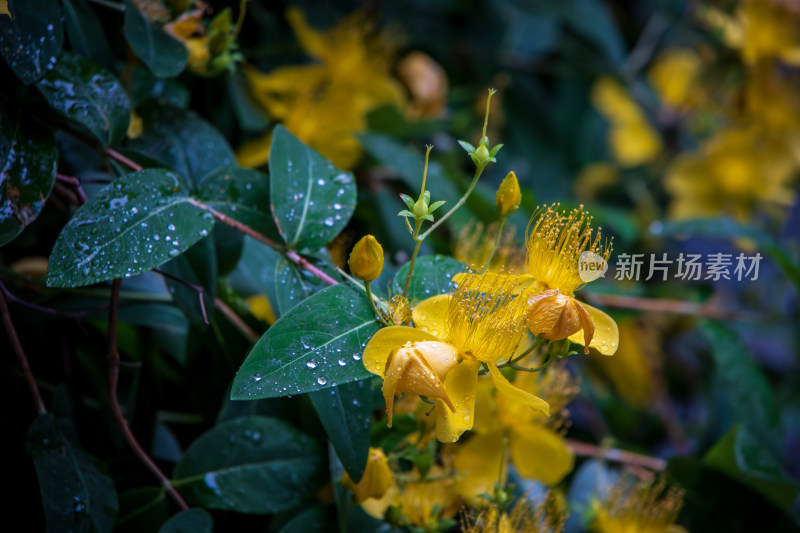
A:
[673, 76]
[325, 103]
[771, 29]
[629, 372]
[525, 516]
[426, 82]
[4, 9]
[633, 141]
[555, 243]
[261, 308]
[454, 334]
[366, 259]
[508, 195]
[377, 478]
[593, 178]
[639, 508]
[740, 168]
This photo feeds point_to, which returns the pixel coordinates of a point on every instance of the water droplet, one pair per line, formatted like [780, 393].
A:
[257, 377]
[311, 364]
[337, 206]
[356, 357]
[322, 380]
[342, 362]
[320, 181]
[328, 222]
[204, 232]
[171, 227]
[174, 253]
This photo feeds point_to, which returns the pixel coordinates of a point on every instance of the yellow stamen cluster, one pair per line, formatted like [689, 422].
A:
[485, 324]
[641, 507]
[548, 516]
[555, 243]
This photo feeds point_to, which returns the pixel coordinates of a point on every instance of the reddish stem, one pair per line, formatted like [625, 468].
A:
[616, 455]
[113, 154]
[113, 381]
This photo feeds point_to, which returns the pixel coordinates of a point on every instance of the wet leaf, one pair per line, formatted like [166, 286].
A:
[291, 285]
[432, 275]
[242, 194]
[251, 464]
[136, 223]
[142, 510]
[189, 521]
[31, 42]
[77, 493]
[313, 520]
[85, 33]
[345, 412]
[164, 55]
[255, 273]
[88, 95]
[314, 346]
[182, 141]
[199, 267]
[311, 199]
[28, 159]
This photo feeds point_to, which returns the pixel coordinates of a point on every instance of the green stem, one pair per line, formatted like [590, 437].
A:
[459, 203]
[549, 360]
[419, 240]
[425, 171]
[372, 304]
[496, 243]
[535, 344]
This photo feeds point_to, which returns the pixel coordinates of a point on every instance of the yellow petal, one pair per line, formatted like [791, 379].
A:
[540, 453]
[4, 8]
[479, 462]
[387, 340]
[313, 42]
[254, 153]
[606, 332]
[460, 385]
[430, 315]
[518, 395]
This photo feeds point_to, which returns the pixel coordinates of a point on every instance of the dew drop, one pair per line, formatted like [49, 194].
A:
[328, 222]
[311, 364]
[257, 377]
[322, 380]
[342, 362]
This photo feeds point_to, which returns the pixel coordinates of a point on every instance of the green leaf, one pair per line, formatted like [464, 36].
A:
[142, 509]
[408, 200]
[28, 159]
[242, 194]
[291, 285]
[249, 116]
[189, 521]
[77, 494]
[198, 266]
[256, 271]
[88, 95]
[85, 33]
[31, 41]
[313, 346]
[467, 147]
[312, 199]
[135, 224]
[182, 141]
[250, 464]
[164, 55]
[345, 412]
[314, 520]
[432, 276]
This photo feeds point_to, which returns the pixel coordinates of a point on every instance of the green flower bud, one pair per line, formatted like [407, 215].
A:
[366, 259]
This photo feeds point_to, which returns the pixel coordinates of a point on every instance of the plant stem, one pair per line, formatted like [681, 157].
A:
[616, 455]
[496, 243]
[194, 286]
[418, 240]
[372, 304]
[459, 203]
[22, 359]
[113, 381]
[116, 156]
[237, 321]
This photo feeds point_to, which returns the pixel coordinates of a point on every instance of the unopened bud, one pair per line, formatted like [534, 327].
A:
[508, 195]
[376, 480]
[555, 316]
[418, 368]
[366, 259]
[399, 310]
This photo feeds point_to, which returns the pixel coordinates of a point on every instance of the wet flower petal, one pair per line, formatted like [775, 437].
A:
[606, 332]
[387, 340]
[540, 453]
[518, 395]
[460, 385]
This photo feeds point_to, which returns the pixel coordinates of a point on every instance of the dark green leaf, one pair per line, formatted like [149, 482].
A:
[28, 159]
[31, 42]
[311, 199]
[242, 194]
[314, 520]
[255, 273]
[315, 345]
[249, 116]
[85, 33]
[182, 141]
[142, 510]
[346, 414]
[135, 224]
[189, 521]
[145, 86]
[199, 267]
[251, 464]
[291, 286]
[88, 95]
[164, 55]
[432, 275]
[76, 492]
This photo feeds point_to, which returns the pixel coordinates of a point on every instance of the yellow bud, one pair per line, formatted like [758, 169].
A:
[376, 480]
[366, 259]
[418, 368]
[399, 310]
[555, 316]
[508, 195]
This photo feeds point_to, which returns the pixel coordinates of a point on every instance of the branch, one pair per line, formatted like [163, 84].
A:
[659, 305]
[616, 455]
[49, 310]
[237, 321]
[113, 380]
[116, 156]
[22, 359]
[200, 290]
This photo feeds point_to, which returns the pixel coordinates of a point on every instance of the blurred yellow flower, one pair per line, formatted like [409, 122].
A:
[325, 103]
[525, 516]
[474, 243]
[377, 478]
[738, 169]
[427, 84]
[629, 372]
[673, 76]
[632, 140]
[771, 29]
[440, 357]
[639, 508]
[261, 308]
[593, 178]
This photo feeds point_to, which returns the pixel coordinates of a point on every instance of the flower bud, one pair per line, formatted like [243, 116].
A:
[376, 480]
[399, 310]
[555, 316]
[418, 368]
[508, 195]
[366, 259]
